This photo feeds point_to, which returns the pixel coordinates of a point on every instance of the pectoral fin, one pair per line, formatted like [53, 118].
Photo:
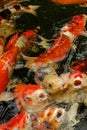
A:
[29, 60]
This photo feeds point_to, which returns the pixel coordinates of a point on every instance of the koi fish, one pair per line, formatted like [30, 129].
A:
[51, 119]
[69, 1]
[74, 88]
[62, 43]
[19, 122]
[29, 97]
[59, 88]
[48, 79]
[9, 58]
[25, 38]
[7, 62]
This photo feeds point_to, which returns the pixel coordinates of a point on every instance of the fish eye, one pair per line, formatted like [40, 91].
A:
[27, 97]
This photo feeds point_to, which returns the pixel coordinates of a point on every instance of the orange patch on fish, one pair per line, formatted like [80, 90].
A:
[69, 1]
[18, 122]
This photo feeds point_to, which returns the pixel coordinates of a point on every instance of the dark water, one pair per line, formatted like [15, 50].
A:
[50, 18]
[7, 110]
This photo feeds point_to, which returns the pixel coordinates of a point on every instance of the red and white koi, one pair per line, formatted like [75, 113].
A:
[26, 38]
[30, 97]
[62, 44]
[18, 122]
[9, 58]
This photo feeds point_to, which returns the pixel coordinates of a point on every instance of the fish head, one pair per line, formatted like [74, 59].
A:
[53, 116]
[53, 83]
[29, 95]
[77, 80]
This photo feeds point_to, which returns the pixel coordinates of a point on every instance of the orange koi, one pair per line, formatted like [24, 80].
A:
[12, 41]
[62, 44]
[9, 58]
[30, 96]
[69, 1]
[51, 118]
[19, 122]
[23, 38]
[7, 62]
